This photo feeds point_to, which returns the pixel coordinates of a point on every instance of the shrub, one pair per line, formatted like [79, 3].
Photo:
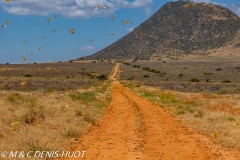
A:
[156, 71]
[208, 75]
[136, 66]
[231, 118]
[194, 80]
[131, 78]
[78, 113]
[226, 81]
[180, 75]
[127, 64]
[218, 69]
[162, 74]
[146, 68]
[27, 75]
[145, 76]
[102, 77]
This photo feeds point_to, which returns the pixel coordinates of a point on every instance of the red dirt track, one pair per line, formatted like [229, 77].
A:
[135, 128]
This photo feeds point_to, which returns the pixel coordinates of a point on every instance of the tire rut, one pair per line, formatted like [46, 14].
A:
[135, 128]
[116, 136]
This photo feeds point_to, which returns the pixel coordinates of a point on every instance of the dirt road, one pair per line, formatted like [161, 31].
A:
[135, 128]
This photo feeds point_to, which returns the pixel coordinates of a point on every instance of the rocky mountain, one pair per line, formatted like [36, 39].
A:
[180, 27]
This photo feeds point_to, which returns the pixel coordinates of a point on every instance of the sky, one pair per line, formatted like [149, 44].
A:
[40, 30]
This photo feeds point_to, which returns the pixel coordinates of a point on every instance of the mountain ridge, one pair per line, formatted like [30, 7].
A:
[176, 28]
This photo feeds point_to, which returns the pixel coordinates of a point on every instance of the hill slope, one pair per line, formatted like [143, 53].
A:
[181, 27]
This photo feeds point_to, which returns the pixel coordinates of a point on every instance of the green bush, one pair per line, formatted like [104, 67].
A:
[168, 97]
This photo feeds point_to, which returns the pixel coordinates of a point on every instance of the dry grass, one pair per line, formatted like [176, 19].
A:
[52, 76]
[49, 120]
[216, 116]
[181, 75]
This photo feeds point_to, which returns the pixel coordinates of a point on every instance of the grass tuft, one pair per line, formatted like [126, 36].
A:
[15, 98]
[87, 96]
[184, 109]
[168, 97]
[199, 114]
[71, 133]
[90, 119]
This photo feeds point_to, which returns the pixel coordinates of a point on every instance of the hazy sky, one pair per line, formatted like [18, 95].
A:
[28, 27]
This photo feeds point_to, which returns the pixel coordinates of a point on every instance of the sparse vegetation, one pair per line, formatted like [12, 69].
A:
[45, 107]
[46, 117]
[197, 112]
[194, 70]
